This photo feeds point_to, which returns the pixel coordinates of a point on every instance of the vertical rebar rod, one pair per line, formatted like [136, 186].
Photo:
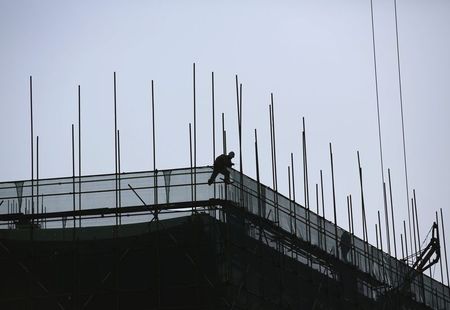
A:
[293, 177]
[323, 211]
[153, 127]
[445, 247]
[195, 133]
[319, 233]
[155, 172]
[306, 181]
[274, 145]
[290, 198]
[363, 216]
[321, 191]
[37, 176]
[306, 162]
[115, 145]
[386, 218]
[348, 216]
[353, 228]
[379, 227]
[317, 199]
[406, 241]
[79, 153]
[401, 240]
[334, 201]
[274, 156]
[414, 227]
[392, 212]
[271, 146]
[119, 171]
[224, 135]
[376, 234]
[417, 221]
[32, 142]
[440, 260]
[213, 118]
[213, 124]
[73, 175]
[351, 213]
[239, 121]
[257, 175]
[191, 162]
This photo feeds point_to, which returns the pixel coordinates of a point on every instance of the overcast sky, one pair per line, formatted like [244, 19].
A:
[315, 56]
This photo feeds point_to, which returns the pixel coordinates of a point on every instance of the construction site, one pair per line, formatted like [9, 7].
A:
[172, 243]
[207, 235]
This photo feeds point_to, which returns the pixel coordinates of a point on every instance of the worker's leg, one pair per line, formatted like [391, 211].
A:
[226, 175]
[213, 177]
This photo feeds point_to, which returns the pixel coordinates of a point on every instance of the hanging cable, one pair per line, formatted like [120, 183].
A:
[376, 89]
[379, 130]
[403, 122]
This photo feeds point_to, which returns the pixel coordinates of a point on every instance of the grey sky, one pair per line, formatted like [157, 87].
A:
[315, 56]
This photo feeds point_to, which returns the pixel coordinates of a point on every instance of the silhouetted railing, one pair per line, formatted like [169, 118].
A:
[173, 186]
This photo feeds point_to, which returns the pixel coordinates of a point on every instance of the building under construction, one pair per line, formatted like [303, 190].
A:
[166, 240]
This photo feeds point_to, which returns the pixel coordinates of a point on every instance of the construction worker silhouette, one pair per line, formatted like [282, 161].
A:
[345, 244]
[221, 165]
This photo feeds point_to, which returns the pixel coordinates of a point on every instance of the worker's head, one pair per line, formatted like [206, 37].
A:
[231, 154]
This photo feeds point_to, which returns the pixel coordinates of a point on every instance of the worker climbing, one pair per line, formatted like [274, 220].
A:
[221, 165]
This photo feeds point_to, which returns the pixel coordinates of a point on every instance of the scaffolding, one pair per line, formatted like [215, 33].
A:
[235, 246]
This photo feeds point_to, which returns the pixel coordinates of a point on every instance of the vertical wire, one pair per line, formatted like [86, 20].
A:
[402, 117]
[376, 88]
[379, 122]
